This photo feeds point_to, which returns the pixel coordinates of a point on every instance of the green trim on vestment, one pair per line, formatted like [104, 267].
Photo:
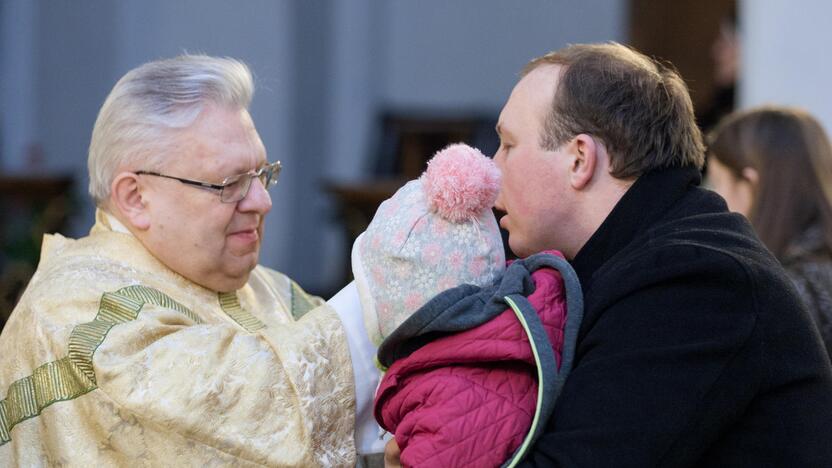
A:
[230, 304]
[521, 452]
[301, 301]
[73, 375]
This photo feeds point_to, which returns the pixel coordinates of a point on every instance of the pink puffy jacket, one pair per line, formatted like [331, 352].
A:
[469, 398]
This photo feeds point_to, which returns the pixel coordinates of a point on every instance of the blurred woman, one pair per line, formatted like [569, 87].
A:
[774, 165]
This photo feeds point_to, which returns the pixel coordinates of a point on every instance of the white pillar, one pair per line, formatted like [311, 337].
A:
[786, 55]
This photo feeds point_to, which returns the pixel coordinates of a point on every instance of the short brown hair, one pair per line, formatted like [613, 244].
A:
[793, 157]
[639, 108]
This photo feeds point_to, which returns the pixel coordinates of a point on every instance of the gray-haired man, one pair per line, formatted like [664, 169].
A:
[157, 340]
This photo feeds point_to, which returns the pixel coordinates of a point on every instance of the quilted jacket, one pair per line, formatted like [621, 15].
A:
[462, 384]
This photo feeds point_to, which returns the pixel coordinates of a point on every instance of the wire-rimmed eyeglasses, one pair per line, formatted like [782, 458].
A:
[234, 188]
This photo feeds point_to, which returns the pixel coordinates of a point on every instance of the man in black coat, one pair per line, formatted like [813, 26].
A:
[694, 348]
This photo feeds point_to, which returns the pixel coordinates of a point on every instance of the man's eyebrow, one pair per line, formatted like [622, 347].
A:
[232, 172]
[243, 168]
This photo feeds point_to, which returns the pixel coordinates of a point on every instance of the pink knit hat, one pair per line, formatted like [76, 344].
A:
[435, 233]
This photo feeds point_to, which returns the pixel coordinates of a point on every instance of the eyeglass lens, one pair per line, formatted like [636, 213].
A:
[236, 190]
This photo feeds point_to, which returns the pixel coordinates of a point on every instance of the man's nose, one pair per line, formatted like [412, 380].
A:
[498, 204]
[498, 161]
[257, 199]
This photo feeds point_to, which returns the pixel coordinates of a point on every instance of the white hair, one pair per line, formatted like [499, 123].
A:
[138, 119]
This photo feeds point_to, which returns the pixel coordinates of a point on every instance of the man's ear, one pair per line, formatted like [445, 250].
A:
[585, 154]
[126, 196]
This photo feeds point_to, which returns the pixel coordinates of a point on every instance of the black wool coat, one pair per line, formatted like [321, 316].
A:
[695, 349]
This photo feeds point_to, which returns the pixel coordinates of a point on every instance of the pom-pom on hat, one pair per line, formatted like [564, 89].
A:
[435, 233]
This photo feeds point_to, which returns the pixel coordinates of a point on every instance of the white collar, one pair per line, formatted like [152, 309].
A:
[115, 224]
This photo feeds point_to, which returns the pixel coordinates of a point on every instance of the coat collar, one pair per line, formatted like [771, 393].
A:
[643, 204]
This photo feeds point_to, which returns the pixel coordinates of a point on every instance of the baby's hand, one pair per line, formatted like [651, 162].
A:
[391, 455]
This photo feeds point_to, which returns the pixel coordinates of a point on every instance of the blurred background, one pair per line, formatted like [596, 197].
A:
[353, 96]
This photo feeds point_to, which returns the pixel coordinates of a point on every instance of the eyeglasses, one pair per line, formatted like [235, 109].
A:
[234, 188]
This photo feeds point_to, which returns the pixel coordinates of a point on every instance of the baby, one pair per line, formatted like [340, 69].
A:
[471, 348]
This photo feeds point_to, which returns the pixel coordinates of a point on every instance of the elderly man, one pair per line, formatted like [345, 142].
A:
[694, 348]
[157, 340]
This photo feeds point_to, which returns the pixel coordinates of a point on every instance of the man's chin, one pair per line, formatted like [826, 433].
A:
[518, 249]
[232, 283]
[234, 274]
[243, 249]
[245, 267]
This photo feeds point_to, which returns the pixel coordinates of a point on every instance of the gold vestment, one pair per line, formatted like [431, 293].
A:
[111, 358]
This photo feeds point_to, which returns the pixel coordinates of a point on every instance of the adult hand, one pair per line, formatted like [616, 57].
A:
[391, 455]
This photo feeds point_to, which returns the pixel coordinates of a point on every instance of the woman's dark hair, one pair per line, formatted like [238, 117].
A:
[793, 158]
